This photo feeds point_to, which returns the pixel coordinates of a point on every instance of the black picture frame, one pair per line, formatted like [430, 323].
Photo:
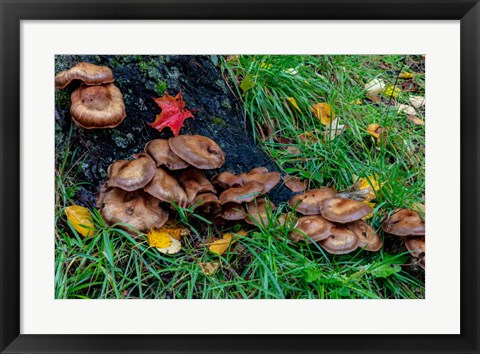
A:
[13, 12]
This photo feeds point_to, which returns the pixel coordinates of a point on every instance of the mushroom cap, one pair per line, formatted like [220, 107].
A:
[208, 201]
[367, 237]
[341, 241]
[242, 194]
[343, 210]
[193, 182]
[404, 222]
[165, 187]
[138, 209]
[315, 227]
[416, 246]
[160, 151]
[268, 179]
[131, 175]
[227, 179]
[233, 212]
[421, 262]
[308, 203]
[89, 74]
[295, 184]
[258, 211]
[97, 106]
[198, 151]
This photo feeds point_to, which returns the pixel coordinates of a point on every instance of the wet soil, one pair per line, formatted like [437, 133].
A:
[218, 114]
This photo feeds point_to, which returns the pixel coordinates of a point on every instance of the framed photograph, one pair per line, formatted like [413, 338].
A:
[197, 176]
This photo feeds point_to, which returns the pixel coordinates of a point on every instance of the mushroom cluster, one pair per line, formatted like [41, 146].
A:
[408, 224]
[240, 196]
[97, 103]
[335, 223]
[167, 172]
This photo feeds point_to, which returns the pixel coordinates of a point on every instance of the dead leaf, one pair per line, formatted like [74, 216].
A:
[417, 101]
[171, 228]
[209, 268]
[81, 220]
[294, 103]
[391, 91]
[163, 242]
[377, 131]
[295, 184]
[293, 150]
[356, 102]
[334, 129]
[374, 98]
[173, 113]
[219, 246]
[415, 120]
[323, 112]
[307, 136]
[375, 87]
[408, 110]
[406, 75]
[369, 185]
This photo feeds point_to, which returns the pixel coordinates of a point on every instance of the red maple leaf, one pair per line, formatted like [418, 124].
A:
[173, 113]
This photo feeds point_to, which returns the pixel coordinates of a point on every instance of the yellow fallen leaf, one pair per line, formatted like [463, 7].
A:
[171, 228]
[264, 65]
[370, 185]
[209, 268]
[375, 87]
[307, 136]
[391, 91]
[406, 75]
[174, 247]
[356, 102]
[81, 219]
[158, 238]
[376, 131]
[219, 246]
[415, 120]
[242, 233]
[323, 112]
[294, 103]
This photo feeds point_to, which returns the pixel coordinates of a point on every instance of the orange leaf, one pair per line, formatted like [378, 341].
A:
[173, 113]
[324, 112]
[81, 220]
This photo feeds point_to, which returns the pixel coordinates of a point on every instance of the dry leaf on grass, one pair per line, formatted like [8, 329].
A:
[219, 246]
[406, 75]
[334, 129]
[377, 132]
[209, 268]
[81, 220]
[323, 112]
[163, 242]
[417, 101]
[391, 91]
[415, 120]
[409, 110]
[375, 87]
[294, 103]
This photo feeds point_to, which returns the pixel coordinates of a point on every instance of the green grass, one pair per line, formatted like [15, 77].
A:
[265, 264]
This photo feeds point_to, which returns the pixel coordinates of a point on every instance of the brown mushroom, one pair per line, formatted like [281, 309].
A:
[227, 179]
[343, 210]
[232, 212]
[198, 151]
[367, 237]
[404, 222]
[267, 179]
[193, 182]
[165, 187]
[315, 227]
[137, 209]
[416, 246]
[160, 151]
[89, 74]
[421, 262]
[131, 175]
[258, 211]
[242, 194]
[208, 201]
[97, 106]
[308, 203]
[341, 241]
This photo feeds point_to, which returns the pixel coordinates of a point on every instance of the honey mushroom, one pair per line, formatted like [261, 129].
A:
[89, 74]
